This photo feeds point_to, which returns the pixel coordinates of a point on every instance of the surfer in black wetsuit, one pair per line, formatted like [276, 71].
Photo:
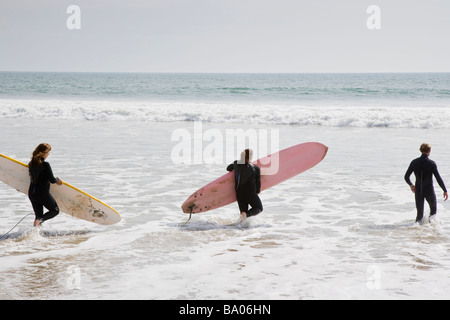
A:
[247, 177]
[41, 175]
[424, 169]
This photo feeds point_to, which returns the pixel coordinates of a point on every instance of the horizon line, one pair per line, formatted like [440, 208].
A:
[221, 72]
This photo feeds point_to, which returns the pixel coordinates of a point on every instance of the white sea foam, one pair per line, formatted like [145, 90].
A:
[344, 229]
[246, 113]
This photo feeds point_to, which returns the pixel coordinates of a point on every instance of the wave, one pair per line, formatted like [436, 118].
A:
[301, 115]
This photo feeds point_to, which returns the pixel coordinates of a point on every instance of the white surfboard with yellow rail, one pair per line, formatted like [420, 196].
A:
[70, 200]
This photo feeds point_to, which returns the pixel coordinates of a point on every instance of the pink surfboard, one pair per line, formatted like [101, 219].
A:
[275, 168]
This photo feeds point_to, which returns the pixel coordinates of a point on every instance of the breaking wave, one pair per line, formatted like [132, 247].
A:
[301, 115]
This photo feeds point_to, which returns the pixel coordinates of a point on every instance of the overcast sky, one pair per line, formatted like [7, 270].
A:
[225, 36]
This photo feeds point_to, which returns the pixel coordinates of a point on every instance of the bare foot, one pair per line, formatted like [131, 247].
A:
[37, 223]
[243, 216]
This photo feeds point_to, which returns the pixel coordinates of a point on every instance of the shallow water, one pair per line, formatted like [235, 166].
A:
[344, 229]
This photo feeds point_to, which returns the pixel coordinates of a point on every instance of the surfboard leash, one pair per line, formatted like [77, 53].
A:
[14, 226]
[190, 215]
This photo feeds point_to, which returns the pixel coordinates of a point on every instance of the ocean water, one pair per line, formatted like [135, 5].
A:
[342, 230]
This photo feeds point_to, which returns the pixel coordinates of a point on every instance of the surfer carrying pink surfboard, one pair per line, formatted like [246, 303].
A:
[247, 178]
[41, 175]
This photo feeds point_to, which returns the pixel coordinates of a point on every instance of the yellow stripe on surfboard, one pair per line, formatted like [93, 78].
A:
[86, 194]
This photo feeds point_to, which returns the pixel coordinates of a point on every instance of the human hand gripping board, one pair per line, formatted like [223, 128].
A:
[275, 168]
[70, 200]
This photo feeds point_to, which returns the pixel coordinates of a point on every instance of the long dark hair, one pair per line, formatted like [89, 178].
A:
[39, 152]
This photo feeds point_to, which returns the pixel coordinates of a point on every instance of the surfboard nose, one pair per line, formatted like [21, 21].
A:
[325, 152]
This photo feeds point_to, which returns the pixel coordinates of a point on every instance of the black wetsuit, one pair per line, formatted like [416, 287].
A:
[424, 169]
[39, 191]
[248, 185]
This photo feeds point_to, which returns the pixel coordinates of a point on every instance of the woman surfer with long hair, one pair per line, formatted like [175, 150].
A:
[41, 175]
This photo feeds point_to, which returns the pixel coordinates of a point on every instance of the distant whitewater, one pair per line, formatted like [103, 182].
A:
[419, 100]
[329, 116]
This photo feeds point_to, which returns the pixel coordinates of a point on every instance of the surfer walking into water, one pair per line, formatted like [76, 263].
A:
[41, 175]
[424, 169]
[247, 177]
